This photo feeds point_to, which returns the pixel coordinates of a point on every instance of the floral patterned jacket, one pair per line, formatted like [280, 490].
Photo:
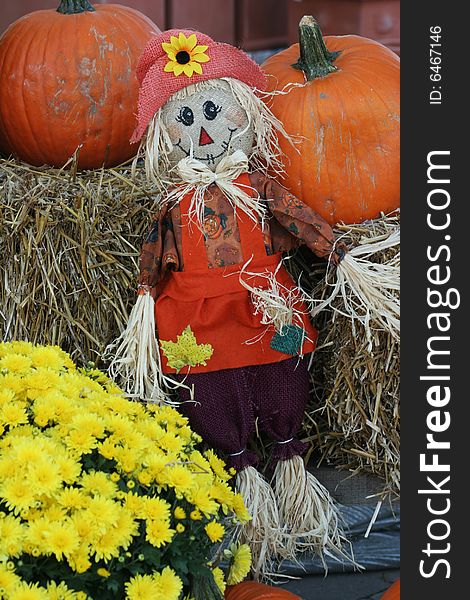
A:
[290, 224]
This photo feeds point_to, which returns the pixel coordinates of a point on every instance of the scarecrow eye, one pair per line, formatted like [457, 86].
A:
[210, 110]
[186, 116]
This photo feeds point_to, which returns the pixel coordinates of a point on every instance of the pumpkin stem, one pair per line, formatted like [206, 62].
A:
[315, 59]
[73, 7]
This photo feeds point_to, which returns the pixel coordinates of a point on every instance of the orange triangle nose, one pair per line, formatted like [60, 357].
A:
[205, 138]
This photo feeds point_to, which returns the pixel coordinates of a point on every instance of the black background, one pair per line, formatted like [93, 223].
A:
[425, 128]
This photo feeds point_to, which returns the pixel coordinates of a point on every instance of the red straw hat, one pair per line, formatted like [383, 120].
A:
[177, 58]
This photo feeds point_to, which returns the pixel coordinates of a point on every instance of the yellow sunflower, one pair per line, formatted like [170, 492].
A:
[185, 55]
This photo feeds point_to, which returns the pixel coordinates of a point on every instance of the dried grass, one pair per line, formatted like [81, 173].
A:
[69, 246]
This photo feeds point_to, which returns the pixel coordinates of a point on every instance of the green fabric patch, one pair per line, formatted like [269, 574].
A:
[289, 340]
[295, 230]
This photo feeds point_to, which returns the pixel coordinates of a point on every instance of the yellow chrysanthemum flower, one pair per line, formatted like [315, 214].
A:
[145, 477]
[62, 539]
[41, 380]
[180, 478]
[69, 468]
[156, 464]
[217, 465]
[43, 412]
[155, 509]
[127, 528]
[102, 511]
[221, 492]
[60, 404]
[27, 451]
[13, 382]
[79, 561]
[57, 500]
[107, 545]
[71, 498]
[91, 423]
[120, 425]
[239, 508]
[8, 579]
[19, 347]
[128, 459]
[179, 513]
[169, 583]
[142, 587]
[44, 477]
[171, 442]
[54, 512]
[185, 55]
[199, 463]
[86, 529]
[215, 531]
[159, 533]
[8, 468]
[241, 563]
[134, 504]
[219, 579]
[28, 591]
[13, 415]
[103, 572]
[15, 363]
[201, 500]
[59, 591]
[98, 483]
[49, 357]
[17, 494]
[107, 448]
[35, 534]
[80, 441]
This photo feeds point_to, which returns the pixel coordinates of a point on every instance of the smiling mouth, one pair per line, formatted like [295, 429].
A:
[210, 158]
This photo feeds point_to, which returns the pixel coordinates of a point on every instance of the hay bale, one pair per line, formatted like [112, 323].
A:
[68, 267]
[353, 417]
[70, 243]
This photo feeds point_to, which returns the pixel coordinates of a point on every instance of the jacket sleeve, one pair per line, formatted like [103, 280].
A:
[151, 255]
[299, 219]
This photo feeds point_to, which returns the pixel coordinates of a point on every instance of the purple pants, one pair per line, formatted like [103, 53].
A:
[229, 402]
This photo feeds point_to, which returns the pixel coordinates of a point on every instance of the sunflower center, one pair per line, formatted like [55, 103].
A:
[183, 57]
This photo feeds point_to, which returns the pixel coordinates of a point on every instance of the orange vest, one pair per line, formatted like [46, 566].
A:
[216, 305]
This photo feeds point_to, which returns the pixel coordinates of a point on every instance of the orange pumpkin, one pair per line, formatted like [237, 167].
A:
[251, 590]
[68, 78]
[393, 592]
[341, 100]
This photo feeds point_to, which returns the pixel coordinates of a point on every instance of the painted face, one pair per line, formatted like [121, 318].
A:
[208, 124]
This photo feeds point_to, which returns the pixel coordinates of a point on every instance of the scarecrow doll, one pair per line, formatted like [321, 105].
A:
[218, 316]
